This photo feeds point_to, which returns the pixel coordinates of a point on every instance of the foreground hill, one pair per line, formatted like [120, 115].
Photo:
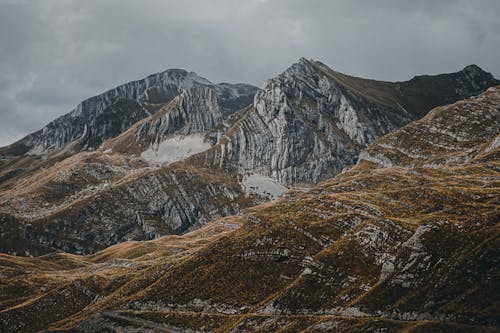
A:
[204, 152]
[405, 241]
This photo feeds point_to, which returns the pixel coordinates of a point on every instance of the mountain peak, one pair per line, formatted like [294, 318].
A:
[472, 68]
[305, 61]
[474, 71]
[111, 112]
[301, 68]
[182, 74]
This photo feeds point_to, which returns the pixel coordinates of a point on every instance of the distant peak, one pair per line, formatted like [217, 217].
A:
[303, 60]
[474, 70]
[171, 72]
[472, 67]
[178, 71]
[302, 67]
[182, 74]
[308, 62]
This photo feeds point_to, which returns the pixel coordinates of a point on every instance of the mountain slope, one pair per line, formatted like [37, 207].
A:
[208, 153]
[310, 122]
[107, 115]
[79, 193]
[413, 246]
[95, 119]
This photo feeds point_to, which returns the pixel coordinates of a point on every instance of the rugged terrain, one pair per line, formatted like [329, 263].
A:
[407, 240]
[169, 153]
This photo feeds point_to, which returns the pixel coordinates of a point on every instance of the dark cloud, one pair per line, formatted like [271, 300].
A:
[55, 53]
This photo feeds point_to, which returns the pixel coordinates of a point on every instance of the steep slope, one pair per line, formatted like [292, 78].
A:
[91, 122]
[453, 138]
[107, 115]
[208, 153]
[202, 113]
[410, 247]
[310, 122]
[318, 105]
[79, 194]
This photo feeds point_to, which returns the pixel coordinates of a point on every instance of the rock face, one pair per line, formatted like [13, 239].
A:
[410, 245]
[109, 114]
[310, 122]
[445, 137]
[183, 151]
[201, 109]
[126, 190]
[159, 202]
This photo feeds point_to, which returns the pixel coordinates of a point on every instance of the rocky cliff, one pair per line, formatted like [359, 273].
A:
[406, 245]
[127, 189]
[207, 152]
[310, 122]
[108, 114]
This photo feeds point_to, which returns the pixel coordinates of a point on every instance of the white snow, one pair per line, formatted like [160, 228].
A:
[176, 148]
[263, 186]
[37, 150]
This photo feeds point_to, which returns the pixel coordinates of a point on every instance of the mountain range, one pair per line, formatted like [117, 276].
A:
[321, 202]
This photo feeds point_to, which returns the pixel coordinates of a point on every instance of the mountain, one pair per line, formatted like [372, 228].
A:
[107, 115]
[204, 154]
[311, 122]
[74, 187]
[406, 240]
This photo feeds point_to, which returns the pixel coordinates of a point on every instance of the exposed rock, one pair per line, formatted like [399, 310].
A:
[309, 123]
[108, 114]
[375, 248]
[448, 135]
[203, 151]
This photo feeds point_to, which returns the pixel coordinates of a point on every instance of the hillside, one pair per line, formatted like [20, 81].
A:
[204, 153]
[404, 241]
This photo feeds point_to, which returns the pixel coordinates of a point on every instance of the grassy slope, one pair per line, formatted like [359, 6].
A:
[409, 249]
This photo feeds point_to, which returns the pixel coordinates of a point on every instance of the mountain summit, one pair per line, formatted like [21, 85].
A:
[405, 240]
[172, 152]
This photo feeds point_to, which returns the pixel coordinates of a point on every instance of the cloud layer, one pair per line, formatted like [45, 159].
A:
[55, 53]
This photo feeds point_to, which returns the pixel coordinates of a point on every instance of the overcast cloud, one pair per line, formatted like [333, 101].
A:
[53, 54]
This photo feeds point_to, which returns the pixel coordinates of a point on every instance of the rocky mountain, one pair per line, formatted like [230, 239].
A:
[203, 152]
[311, 122]
[110, 113]
[404, 241]
[89, 200]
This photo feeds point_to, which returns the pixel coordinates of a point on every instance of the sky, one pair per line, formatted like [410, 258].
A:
[55, 53]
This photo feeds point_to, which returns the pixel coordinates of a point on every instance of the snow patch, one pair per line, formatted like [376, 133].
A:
[263, 186]
[176, 148]
[37, 150]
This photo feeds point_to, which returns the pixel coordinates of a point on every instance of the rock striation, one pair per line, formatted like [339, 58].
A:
[310, 122]
[109, 114]
[201, 152]
[398, 247]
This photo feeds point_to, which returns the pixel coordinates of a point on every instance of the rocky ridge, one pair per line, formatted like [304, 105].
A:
[405, 246]
[209, 153]
[310, 122]
[95, 119]
[79, 193]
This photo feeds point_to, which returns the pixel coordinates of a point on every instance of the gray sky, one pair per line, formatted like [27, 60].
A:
[53, 54]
